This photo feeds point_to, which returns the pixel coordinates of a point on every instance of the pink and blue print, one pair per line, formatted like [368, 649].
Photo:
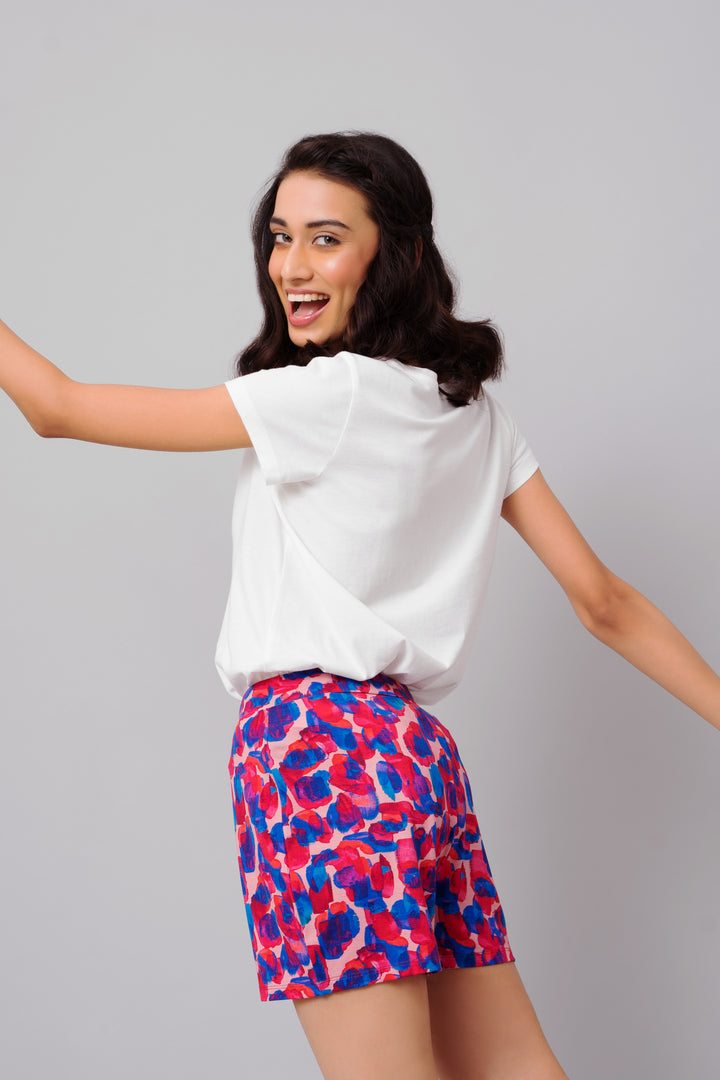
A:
[360, 855]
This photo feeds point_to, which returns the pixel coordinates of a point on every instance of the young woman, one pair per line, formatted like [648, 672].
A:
[364, 527]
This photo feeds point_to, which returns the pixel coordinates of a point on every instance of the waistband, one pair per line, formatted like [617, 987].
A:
[314, 682]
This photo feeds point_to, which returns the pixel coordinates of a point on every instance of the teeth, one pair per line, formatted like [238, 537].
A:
[298, 297]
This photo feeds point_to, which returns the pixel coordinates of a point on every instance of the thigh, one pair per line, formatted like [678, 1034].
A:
[380, 1032]
[484, 1026]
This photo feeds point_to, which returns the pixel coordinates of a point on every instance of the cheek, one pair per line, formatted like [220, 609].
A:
[276, 263]
[349, 274]
[274, 267]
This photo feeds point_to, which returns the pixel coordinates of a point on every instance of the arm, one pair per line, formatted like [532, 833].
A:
[615, 612]
[138, 416]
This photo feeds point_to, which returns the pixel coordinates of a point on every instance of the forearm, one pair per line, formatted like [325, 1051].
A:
[34, 383]
[639, 632]
[144, 417]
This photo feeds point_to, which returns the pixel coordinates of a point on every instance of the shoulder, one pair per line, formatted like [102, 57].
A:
[492, 415]
[502, 420]
[495, 409]
[319, 367]
[322, 377]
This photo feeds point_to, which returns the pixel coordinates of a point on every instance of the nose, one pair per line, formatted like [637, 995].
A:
[296, 266]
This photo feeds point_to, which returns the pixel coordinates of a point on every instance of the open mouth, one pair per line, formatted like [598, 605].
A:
[304, 307]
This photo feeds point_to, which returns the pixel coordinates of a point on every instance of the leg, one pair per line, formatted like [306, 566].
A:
[378, 1032]
[485, 1028]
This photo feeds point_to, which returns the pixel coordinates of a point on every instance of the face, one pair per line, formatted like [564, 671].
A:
[324, 243]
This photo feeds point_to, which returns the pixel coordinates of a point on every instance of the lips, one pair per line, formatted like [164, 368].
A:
[305, 307]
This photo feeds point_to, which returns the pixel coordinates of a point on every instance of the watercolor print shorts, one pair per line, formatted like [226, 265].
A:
[360, 856]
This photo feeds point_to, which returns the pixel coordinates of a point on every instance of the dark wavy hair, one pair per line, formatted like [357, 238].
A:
[404, 308]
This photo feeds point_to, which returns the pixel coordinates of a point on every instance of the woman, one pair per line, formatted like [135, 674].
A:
[364, 527]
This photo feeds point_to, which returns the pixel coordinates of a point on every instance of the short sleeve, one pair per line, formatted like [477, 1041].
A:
[523, 462]
[296, 416]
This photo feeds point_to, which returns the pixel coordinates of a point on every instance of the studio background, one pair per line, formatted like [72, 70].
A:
[572, 149]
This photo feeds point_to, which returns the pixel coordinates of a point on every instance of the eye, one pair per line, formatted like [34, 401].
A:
[281, 238]
[325, 240]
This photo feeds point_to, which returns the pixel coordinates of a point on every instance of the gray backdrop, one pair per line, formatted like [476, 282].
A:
[572, 148]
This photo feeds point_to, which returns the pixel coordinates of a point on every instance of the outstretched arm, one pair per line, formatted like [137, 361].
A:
[138, 416]
[615, 612]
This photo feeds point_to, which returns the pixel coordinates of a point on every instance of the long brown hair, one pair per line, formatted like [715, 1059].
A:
[404, 308]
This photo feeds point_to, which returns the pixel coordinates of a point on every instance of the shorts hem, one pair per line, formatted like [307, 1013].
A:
[502, 956]
[300, 991]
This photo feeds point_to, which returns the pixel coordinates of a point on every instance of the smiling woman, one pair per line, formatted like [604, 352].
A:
[378, 467]
[391, 294]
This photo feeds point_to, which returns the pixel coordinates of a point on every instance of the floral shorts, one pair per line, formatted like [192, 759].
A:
[360, 855]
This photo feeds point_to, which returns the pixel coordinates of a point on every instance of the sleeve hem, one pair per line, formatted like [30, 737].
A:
[523, 471]
[256, 430]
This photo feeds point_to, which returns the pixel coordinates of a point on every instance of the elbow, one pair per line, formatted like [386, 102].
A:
[42, 429]
[603, 611]
[45, 425]
[48, 417]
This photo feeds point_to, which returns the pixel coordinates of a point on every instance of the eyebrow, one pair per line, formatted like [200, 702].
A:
[313, 224]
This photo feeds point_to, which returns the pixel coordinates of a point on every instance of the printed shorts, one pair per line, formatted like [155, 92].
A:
[360, 855]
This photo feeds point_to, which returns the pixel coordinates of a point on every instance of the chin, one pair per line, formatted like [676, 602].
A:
[302, 339]
[307, 337]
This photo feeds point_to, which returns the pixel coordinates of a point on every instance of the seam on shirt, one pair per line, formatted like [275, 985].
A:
[354, 382]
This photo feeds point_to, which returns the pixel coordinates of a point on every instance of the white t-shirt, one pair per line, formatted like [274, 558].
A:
[364, 523]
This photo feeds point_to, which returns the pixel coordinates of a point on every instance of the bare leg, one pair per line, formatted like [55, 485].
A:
[485, 1028]
[378, 1032]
